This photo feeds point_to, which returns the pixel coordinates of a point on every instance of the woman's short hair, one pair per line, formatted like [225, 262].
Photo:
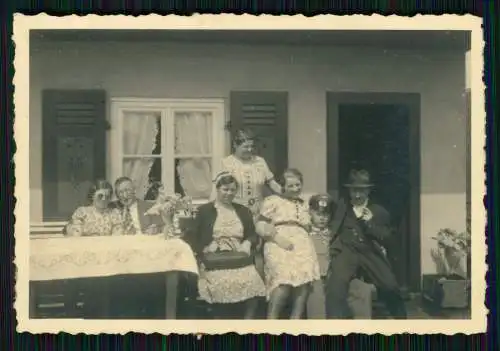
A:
[290, 172]
[225, 178]
[243, 135]
[97, 185]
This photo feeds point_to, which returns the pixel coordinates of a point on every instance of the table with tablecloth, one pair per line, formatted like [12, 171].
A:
[91, 257]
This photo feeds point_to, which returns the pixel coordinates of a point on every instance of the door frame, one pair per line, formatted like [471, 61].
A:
[412, 100]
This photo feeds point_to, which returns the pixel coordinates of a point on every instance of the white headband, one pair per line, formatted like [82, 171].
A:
[221, 175]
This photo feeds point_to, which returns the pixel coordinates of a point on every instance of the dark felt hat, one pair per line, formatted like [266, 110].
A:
[359, 179]
[321, 203]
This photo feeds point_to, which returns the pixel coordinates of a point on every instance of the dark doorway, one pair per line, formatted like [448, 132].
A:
[382, 137]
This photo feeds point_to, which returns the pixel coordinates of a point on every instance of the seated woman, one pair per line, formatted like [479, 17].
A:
[290, 260]
[96, 218]
[222, 225]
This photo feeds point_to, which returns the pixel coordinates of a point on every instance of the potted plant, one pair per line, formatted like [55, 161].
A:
[176, 211]
[450, 287]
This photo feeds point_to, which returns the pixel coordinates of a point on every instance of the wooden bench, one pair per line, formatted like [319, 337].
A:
[44, 230]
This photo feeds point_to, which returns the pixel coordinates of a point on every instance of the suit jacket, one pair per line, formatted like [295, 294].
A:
[356, 233]
[201, 234]
[144, 221]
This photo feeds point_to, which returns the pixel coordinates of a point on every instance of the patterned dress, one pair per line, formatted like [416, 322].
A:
[294, 267]
[229, 285]
[252, 176]
[88, 221]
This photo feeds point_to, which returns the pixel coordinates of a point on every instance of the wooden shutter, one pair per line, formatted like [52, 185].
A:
[73, 155]
[266, 113]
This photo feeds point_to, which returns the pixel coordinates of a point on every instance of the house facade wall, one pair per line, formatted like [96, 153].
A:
[181, 70]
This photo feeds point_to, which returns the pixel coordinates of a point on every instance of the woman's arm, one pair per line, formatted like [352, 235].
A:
[265, 230]
[199, 236]
[75, 225]
[264, 226]
[247, 220]
[269, 176]
[274, 186]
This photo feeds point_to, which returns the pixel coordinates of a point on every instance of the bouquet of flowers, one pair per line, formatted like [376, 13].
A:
[451, 253]
[172, 209]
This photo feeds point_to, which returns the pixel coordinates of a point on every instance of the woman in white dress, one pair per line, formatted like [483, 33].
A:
[250, 171]
[291, 263]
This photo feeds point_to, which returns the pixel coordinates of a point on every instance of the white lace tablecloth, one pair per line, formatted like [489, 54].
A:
[87, 257]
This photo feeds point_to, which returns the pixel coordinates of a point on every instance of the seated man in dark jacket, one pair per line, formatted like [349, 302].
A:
[133, 210]
[358, 227]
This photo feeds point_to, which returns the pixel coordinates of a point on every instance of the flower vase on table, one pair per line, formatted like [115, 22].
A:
[176, 211]
[449, 288]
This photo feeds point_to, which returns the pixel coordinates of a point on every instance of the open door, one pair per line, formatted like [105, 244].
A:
[380, 133]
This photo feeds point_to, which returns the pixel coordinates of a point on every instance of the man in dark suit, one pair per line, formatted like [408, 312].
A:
[133, 210]
[359, 226]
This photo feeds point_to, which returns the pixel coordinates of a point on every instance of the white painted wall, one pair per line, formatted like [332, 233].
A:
[177, 70]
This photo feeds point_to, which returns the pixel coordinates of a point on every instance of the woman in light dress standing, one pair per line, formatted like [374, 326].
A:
[290, 258]
[250, 171]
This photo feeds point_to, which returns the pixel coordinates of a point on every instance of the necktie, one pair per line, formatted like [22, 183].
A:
[128, 224]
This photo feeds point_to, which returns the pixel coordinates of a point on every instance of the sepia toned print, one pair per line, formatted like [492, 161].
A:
[195, 175]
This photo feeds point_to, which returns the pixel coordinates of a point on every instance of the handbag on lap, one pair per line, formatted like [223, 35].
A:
[226, 257]
[226, 260]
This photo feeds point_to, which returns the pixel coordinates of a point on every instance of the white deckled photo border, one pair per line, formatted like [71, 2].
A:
[22, 26]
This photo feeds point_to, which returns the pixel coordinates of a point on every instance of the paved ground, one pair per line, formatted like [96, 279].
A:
[133, 304]
[416, 310]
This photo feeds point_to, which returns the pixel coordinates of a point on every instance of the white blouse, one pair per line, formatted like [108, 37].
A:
[251, 176]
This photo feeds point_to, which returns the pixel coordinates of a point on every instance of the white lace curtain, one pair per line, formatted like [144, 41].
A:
[139, 138]
[193, 150]
[193, 147]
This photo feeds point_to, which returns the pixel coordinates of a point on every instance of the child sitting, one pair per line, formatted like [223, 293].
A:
[321, 209]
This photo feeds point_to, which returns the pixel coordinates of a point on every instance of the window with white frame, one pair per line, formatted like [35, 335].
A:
[176, 143]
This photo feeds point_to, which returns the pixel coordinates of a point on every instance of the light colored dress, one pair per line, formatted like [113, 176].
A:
[294, 267]
[229, 285]
[252, 176]
[88, 221]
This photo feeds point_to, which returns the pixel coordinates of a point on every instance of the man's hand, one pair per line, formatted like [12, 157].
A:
[367, 214]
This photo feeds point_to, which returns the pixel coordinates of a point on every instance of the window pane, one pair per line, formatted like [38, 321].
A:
[193, 177]
[141, 133]
[193, 133]
[146, 174]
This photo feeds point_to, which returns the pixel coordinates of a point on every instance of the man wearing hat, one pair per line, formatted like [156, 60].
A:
[359, 225]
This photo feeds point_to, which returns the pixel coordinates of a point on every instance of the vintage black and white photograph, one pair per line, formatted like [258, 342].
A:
[254, 174]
